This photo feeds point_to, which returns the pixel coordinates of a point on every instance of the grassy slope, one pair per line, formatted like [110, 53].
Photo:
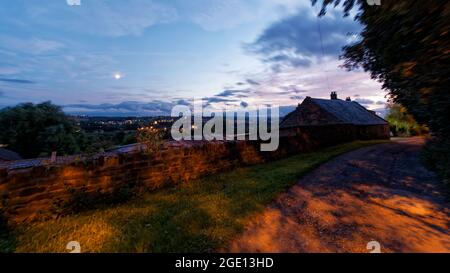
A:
[195, 217]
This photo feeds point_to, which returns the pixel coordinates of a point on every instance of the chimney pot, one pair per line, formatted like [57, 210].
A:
[348, 99]
[333, 95]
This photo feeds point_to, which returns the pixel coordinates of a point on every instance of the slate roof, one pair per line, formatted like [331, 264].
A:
[349, 112]
[8, 155]
[335, 111]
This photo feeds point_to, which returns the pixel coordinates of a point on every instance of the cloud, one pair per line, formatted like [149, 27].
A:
[295, 40]
[288, 59]
[252, 82]
[382, 112]
[244, 104]
[226, 93]
[41, 46]
[151, 108]
[292, 89]
[231, 93]
[218, 99]
[290, 46]
[364, 101]
[133, 108]
[18, 81]
[294, 83]
[296, 97]
[183, 102]
[9, 69]
[110, 18]
[115, 18]
[216, 15]
[33, 46]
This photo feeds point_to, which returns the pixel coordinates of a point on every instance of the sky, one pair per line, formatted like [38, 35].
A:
[142, 57]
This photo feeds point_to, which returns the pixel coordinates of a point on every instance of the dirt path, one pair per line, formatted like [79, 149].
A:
[379, 193]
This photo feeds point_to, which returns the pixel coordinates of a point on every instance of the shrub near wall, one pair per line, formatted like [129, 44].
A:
[40, 192]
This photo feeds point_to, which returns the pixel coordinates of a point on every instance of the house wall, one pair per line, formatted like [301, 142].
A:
[373, 131]
[37, 192]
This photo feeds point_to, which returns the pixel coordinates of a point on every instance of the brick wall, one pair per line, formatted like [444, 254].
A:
[33, 193]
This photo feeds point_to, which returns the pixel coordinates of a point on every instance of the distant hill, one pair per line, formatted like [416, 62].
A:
[284, 110]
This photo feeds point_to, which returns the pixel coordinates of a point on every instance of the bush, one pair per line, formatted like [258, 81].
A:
[129, 139]
[403, 124]
[3, 217]
[151, 138]
[436, 156]
[3, 221]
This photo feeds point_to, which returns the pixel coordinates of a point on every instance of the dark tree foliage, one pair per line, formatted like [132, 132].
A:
[38, 129]
[405, 45]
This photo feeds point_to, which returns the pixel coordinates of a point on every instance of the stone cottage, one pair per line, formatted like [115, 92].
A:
[348, 119]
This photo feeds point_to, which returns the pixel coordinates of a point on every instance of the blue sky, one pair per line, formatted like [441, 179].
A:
[140, 57]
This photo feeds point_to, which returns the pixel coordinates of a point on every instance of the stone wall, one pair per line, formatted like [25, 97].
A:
[35, 193]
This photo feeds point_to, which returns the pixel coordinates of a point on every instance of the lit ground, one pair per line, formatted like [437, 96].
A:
[379, 193]
[200, 216]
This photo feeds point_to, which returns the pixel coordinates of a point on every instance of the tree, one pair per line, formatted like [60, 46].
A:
[405, 45]
[150, 138]
[402, 123]
[35, 130]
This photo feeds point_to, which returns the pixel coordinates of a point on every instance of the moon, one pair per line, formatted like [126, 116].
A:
[117, 76]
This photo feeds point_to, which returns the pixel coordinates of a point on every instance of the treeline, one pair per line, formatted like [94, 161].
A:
[35, 130]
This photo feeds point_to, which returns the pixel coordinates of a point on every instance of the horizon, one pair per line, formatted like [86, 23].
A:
[232, 54]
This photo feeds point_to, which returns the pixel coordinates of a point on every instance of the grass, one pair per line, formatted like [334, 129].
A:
[199, 216]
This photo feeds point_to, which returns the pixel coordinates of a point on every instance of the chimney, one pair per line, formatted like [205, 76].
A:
[348, 99]
[333, 95]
